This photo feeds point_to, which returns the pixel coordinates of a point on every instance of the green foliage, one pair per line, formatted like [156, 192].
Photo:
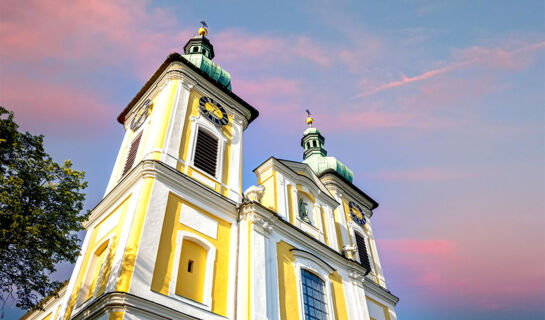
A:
[40, 205]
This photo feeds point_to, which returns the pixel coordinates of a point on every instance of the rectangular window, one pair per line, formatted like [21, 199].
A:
[362, 251]
[131, 156]
[313, 296]
[206, 152]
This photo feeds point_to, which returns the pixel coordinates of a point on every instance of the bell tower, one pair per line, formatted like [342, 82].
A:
[162, 242]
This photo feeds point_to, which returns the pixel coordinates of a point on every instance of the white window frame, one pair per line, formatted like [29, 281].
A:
[209, 269]
[196, 124]
[306, 261]
[83, 298]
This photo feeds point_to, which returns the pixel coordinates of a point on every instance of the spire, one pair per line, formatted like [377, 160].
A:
[316, 156]
[199, 44]
[312, 141]
[200, 52]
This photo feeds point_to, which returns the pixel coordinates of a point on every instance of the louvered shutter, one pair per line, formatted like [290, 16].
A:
[206, 152]
[362, 251]
[132, 153]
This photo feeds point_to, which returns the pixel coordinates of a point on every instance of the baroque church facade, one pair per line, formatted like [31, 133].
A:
[175, 236]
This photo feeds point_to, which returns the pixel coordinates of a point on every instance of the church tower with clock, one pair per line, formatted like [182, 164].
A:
[175, 236]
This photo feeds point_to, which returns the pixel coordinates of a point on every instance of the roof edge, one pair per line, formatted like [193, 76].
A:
[350, 184]
[176, 57]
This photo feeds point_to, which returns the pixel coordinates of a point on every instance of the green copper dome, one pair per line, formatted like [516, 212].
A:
[200, 52]
[316, 156]
[319, 164]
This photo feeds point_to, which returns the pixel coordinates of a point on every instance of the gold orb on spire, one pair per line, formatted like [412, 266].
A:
[309, 119]
[202, 30]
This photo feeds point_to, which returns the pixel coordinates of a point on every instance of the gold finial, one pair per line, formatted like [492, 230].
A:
[309, 119]
[202, 30]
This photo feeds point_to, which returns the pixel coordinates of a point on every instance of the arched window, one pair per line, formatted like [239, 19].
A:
[314, 289]
[314, 301]
[93, 275]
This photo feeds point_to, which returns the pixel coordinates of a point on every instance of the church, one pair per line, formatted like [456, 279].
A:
[176, 237]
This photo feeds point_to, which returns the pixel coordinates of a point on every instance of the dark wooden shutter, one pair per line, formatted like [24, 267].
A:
[206, 152]
[132, 153]
[362, 251]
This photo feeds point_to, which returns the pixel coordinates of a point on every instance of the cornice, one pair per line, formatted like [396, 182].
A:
[380, 292]
[121, 301]
[166, 174]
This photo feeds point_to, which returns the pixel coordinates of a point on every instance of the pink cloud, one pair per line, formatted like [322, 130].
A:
[55, 108]
[102, 33]
[242, 49]
[406, 80]
[474, 56]
[435, 247]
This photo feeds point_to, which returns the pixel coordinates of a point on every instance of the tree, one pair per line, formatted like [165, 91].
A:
[40, 205]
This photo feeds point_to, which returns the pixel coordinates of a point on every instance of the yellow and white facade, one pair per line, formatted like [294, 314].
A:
[176, 238]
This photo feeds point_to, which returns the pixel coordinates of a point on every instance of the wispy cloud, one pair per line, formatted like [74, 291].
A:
[492, 58]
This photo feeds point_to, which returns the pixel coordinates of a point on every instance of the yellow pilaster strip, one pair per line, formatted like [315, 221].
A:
[287, 282]
[290, 204]
[131, 250]
[326, 239]
[338, 229]
[116, 315]
[339, 305]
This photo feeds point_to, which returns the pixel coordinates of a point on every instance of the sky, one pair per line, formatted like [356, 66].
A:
[438, 107]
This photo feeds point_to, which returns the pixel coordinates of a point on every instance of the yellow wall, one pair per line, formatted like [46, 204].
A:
[166, 252]
[287, 282]
[339, 305]
[190, 283]
[270, 198]
[93, 245]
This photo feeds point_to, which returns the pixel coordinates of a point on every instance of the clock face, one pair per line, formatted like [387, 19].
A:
[356, 213]
[141, 115]
[213, 111]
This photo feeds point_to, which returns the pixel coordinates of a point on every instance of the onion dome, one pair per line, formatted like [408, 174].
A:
[200, 52]
[316, 156]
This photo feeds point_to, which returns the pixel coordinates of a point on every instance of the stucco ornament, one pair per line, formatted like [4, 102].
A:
[254, 193]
